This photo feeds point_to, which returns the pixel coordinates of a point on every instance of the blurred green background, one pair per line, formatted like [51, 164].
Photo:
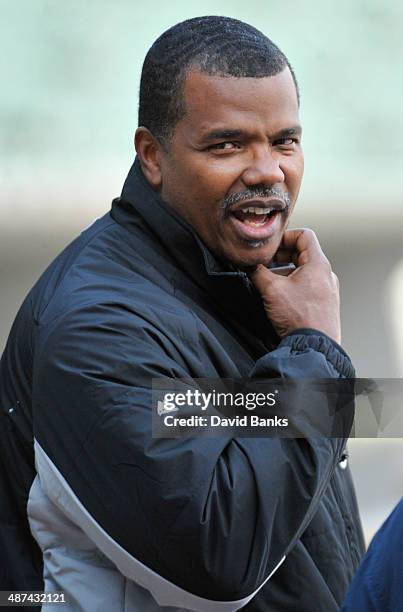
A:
[68, 108]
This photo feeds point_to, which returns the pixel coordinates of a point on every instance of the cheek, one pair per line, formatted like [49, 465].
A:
[227, 171]
[178, 185]
[192, 191]
[216, 175]
[293, 171]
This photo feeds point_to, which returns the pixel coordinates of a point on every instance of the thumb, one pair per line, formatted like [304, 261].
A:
[263, 278]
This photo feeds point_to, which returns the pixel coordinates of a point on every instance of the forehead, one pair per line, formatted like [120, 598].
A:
[267, 102]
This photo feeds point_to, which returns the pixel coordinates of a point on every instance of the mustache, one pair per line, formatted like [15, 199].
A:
[258, 192]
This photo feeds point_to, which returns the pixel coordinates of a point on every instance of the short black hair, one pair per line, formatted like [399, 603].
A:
[214, 45]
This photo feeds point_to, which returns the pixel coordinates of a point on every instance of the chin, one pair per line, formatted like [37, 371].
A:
[256, 255]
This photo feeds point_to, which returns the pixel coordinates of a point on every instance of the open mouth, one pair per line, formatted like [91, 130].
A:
[255, 216]
[256, 222]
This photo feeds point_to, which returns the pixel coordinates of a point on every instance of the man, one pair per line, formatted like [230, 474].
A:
[173, 283]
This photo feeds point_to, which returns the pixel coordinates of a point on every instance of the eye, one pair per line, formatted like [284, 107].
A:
[224, 146]
[286, 143]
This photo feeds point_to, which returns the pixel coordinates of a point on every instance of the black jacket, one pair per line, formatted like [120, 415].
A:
[136, 296]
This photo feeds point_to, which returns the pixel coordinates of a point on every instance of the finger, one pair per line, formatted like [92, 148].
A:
[336, 281]
[286, 256]
[304, 243]
[283, 256]
[261, 277]
[299, 239]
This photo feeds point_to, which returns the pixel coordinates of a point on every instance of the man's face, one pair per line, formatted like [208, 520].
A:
[234, 165]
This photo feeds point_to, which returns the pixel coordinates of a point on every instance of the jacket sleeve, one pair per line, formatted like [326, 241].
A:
[213, 516]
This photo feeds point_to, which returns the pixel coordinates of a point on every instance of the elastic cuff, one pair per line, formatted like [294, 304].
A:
[300, 340]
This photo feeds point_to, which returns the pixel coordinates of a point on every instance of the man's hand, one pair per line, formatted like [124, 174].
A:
[309, 297]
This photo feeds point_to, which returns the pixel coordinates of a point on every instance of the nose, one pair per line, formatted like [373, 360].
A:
[264, 169]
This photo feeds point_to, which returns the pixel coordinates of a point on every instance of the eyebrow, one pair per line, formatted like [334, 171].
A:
[218, 134]
[295, 130]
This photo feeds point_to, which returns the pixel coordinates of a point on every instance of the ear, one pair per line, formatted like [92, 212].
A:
[148, 149]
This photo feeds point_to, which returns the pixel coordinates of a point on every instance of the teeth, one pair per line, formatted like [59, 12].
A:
[255, 223]
[257, 210]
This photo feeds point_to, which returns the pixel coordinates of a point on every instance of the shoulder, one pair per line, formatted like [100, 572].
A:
[107, 273]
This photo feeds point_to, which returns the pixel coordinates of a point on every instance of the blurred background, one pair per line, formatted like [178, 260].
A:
[68, 105]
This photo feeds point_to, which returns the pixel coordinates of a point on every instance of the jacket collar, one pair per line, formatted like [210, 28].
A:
[177, 236]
